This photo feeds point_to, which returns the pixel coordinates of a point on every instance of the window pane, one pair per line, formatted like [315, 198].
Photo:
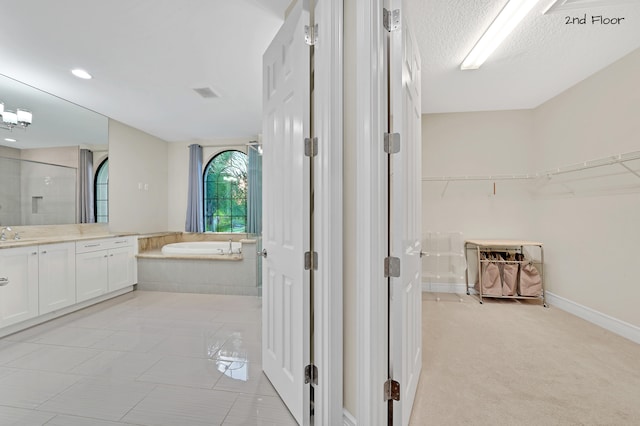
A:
[225, 195]
[101, 192]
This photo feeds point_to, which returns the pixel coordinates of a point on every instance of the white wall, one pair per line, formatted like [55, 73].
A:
[178, 169]
[350, 351]
[589, 238]
[137, 159]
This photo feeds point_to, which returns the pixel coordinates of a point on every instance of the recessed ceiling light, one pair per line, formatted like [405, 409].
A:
[10, 140]
[80, 73]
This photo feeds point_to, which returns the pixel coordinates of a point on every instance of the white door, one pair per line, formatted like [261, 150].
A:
[91, 274]
[120, 270]
[406, 217]
[285, 283]
[18, 284]
[57, 276]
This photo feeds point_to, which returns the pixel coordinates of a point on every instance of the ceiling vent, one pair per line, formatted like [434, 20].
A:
[563, 5]
[206, 92]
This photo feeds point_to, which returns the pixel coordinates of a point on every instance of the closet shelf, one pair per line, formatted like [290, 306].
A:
[619, 159]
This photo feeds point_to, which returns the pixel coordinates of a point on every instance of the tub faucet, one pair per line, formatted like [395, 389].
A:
[3, 236]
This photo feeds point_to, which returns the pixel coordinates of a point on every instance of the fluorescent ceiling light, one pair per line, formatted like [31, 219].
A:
[80, 73]
[500, 28]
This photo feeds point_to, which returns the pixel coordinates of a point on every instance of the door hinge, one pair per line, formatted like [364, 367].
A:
[309, 262]
[392, 143]
[391, 19]
[311, 34]
[391, 390]
[310, 147]
[391, 267]
[311, 374]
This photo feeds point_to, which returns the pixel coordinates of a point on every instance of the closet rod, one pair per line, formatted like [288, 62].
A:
[600, 162]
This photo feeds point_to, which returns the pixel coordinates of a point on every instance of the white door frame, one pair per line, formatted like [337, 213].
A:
[328, 212]
[371, 286]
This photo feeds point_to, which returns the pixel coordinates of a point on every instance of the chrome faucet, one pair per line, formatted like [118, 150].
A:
[3, 236]
[230, 247]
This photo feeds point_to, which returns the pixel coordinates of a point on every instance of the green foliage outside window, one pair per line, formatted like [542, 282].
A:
[225, 193]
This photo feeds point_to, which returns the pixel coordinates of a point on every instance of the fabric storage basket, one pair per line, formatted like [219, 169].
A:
[491, 281]
[510, 279]
[530, 281]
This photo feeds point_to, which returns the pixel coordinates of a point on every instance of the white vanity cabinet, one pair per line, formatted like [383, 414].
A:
[103, 266]
[57, 276]
[18, 284]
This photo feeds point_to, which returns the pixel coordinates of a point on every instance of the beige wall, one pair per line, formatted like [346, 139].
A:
[178, 167]
[137, 158]
[67, 156]
[589, 239]
[477, 144]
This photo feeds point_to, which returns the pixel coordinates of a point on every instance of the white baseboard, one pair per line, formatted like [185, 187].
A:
[607, 322]
[444, 288]
[349, 420]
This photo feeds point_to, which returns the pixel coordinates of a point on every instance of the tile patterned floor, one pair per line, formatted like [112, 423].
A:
[145, 358]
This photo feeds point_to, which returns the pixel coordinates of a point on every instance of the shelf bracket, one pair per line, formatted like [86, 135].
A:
[630, 169]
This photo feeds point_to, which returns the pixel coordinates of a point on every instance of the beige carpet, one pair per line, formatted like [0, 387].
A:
[512, 363]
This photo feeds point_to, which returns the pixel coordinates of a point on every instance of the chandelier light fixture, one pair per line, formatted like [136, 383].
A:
[19, 118]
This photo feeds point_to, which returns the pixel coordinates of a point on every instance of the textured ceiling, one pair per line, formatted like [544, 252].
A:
[541, 58]
[147, 56]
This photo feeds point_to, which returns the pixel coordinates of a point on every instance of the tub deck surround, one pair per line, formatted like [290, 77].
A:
[197, 273]
[152, 242]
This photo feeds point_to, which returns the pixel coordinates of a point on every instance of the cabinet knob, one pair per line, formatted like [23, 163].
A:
[4, 281]
[43, 252]
[33, 253]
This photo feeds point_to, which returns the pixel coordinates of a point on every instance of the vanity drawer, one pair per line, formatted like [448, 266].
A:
[103, 244]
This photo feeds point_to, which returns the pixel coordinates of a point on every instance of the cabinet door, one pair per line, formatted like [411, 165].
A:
[121, 263]
[57, 276]
[91, 274]
[19, 289]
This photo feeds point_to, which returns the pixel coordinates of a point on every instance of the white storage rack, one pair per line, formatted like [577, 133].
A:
[443, 261]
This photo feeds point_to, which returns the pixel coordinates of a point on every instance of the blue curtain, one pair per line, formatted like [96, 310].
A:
[85, 177]
[195, 211]
[254, 199]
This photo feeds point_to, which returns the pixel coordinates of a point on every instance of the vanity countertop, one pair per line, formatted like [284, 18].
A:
[11, 243]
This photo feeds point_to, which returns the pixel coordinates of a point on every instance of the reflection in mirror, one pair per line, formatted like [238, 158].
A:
[40, 163]
[35, 193]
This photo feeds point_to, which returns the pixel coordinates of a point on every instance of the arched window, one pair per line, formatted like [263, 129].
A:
[225, 193]
[101, 191]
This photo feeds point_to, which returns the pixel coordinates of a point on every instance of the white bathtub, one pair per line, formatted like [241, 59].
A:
[201, 247]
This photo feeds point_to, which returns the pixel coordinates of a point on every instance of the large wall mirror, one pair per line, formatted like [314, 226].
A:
[41, 177]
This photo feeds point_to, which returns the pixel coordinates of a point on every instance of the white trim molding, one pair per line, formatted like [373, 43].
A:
[619, 327]
[371, 307]
[328, 112]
